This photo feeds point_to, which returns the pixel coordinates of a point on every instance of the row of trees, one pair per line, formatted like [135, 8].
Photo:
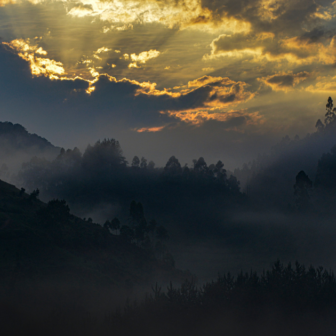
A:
[102, 177]
[248, 303]
[106, 158]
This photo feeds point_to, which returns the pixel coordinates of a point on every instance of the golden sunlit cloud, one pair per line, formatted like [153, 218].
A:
[306, 52]
[158, 51]
[133, 65]
[270, 10]
[188, 14]
[144, 56]
[122, 14]
[324, 84]
[233, 118]
[325, 13]
[118, 28]
[237, 46]
[39, 66]
[150, 129]
[204, 81]
[93, 72]
[102, 50]
[294, 50]
[12, 2]
[124, 27]
[214, 93]
[6, 2]
[41, 51]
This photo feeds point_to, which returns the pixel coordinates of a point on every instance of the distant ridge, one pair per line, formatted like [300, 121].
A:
[18, 135]
[17, 145]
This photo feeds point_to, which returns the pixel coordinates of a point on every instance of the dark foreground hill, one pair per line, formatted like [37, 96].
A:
[44, 243]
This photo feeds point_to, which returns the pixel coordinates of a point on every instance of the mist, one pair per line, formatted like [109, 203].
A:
[94, 222]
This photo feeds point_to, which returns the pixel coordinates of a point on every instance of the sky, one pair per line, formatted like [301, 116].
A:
[221, 79]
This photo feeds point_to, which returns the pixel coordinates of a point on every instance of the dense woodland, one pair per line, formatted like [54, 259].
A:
[277, 302]
[102, 177]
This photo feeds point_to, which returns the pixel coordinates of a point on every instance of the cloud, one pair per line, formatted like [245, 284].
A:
[11, 2]
[81, 10]
[144, 56]
[123, 14]
[182, 14]
[39, 66]
[315, 46]
[123, 27]
[284, 81]
[102, 50]
[297, 31]
[317, 34]
[116, 107]
[324, 84]
[204, 98]
[133, 65]
[203, 81]
[208, 94]
[150, 129]
[203, 95]
[237, 45]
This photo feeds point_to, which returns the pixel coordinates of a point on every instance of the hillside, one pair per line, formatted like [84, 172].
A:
[43, 242]
[17, 145]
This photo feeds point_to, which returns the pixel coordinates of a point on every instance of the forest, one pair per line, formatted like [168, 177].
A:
[196, 249]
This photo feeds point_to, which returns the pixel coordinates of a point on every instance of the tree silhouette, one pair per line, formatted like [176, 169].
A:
[34, 194]
[200, 166]
[302, 187]
[135, 162]
[104, 156]
[173, 166]
[151, 165]
[331, 112]
[143, 163]
[319, 125]
[115, 224]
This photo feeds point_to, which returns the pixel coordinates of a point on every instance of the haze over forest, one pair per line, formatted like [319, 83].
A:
[167, 167]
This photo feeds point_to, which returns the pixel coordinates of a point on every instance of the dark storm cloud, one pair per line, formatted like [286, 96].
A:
[225, 43]
[279, 29]
[269, 16]
[318, 34]
[135, 104]
[285, 81]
